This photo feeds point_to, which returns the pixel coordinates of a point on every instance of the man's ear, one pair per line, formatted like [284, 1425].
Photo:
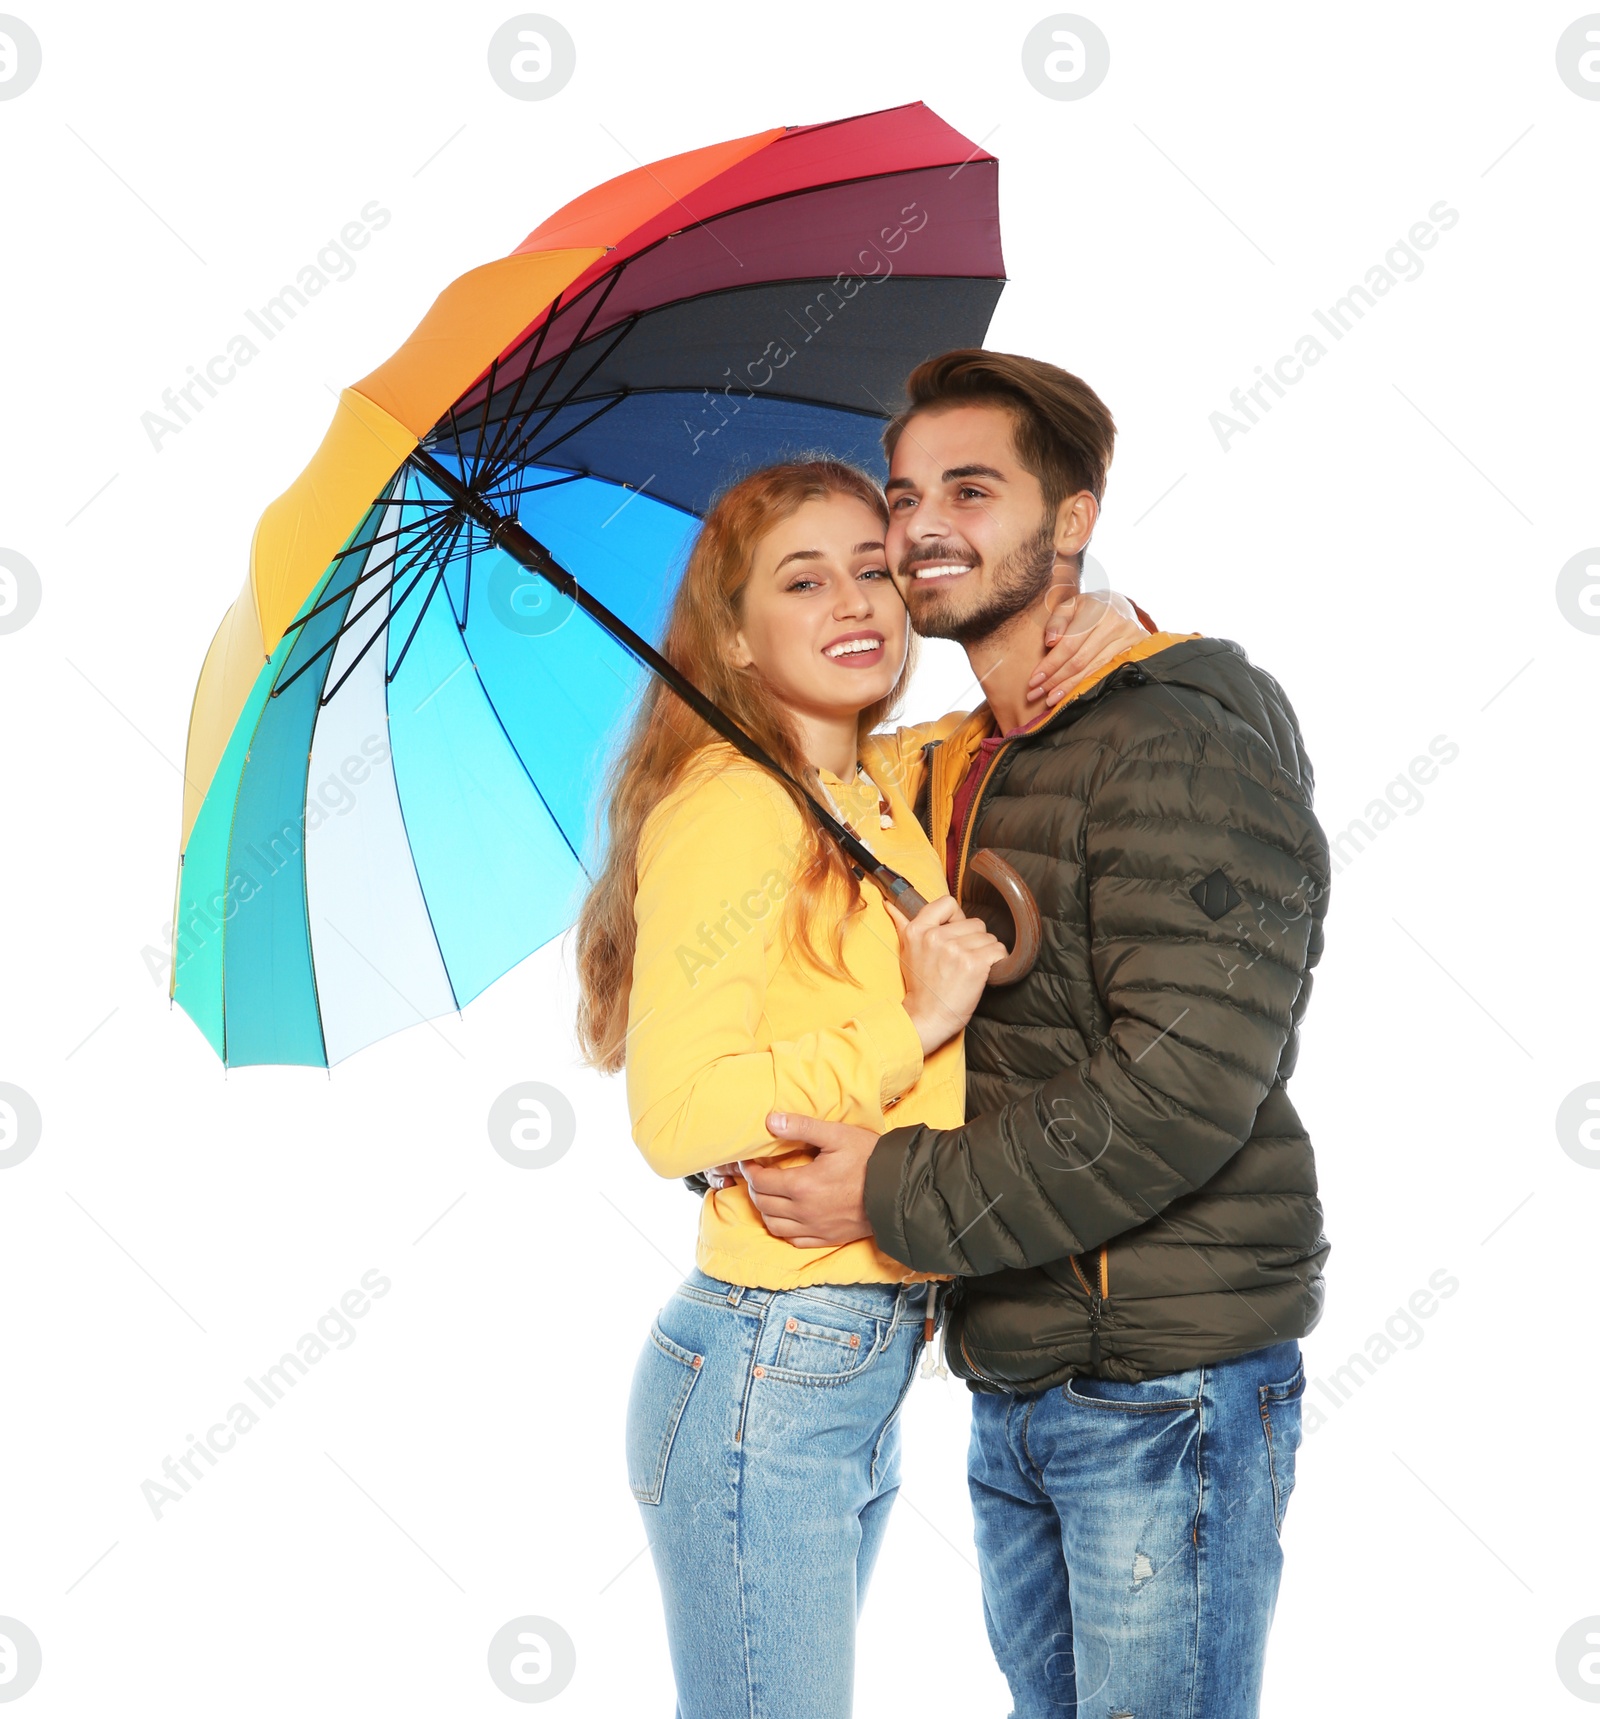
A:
[1075, 522]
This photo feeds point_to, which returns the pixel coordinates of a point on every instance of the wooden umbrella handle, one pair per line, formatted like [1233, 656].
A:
[1024, 916]
[1013, 892]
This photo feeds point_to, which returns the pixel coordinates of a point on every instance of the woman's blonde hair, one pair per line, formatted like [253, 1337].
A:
[666, 734]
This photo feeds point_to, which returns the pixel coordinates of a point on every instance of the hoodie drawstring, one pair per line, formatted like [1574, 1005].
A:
[933, 1366]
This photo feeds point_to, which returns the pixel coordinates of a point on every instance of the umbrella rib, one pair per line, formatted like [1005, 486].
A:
[514, 495]
[327, 697]
[486, 455]
[382, 537]
[444, 562]
[495, 461]
[455, 431]
[389, 674]
[434, 530]
[516, 752]
[382, 631]
[477, 456]
[367, 573]
[522, 380]
[494, 710]
[583, 329]
[524, 435]
[607, 406]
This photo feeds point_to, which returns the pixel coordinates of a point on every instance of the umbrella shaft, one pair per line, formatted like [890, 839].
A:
[524, 548]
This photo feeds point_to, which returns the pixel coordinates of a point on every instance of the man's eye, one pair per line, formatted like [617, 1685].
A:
[968, 490]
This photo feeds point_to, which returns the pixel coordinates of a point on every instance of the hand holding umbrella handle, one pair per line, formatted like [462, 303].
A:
[1024, 916]
[1013, 891]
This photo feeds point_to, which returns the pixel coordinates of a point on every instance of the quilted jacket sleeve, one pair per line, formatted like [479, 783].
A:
[1205, 884]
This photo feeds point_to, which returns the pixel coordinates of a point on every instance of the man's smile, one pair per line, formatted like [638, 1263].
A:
[946, 569]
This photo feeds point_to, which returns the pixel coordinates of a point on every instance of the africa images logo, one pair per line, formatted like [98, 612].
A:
[1400, 263]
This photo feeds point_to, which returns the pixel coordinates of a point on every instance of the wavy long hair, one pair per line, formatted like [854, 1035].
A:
[706, 613]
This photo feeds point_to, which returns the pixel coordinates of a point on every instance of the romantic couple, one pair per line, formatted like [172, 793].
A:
[1094, 1175]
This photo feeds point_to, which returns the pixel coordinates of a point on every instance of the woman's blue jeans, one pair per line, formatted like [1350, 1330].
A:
[764, 1449]
[1128, 1537]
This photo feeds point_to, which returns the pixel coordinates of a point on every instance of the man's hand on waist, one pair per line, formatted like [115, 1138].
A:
[820, 1204]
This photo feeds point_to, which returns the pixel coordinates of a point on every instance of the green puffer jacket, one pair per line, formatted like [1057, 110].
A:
[1134, 1193]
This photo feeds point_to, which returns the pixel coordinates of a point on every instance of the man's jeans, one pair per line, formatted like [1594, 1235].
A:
[1128, 1537]
[764, 1450]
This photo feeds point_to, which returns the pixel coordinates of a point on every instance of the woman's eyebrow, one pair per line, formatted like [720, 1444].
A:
[816, 554]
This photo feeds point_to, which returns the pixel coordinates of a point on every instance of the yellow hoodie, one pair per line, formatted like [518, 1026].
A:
[727, 1021]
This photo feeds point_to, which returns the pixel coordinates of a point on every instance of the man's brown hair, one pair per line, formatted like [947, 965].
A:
[1062, 428]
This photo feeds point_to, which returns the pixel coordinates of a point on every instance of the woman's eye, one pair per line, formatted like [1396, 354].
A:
[874, 572]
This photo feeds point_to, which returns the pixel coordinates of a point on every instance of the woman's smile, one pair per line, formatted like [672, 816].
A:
[855, 650]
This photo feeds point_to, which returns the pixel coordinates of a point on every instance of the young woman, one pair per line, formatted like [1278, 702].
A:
[732, 962]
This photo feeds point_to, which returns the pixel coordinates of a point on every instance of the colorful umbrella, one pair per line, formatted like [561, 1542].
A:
[402, 723]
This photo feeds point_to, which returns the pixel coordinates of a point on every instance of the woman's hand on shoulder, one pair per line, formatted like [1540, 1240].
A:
[1084, 632]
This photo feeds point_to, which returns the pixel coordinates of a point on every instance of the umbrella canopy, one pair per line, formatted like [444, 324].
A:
[400, 731]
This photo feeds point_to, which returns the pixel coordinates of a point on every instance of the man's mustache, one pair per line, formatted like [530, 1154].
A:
[947, 550]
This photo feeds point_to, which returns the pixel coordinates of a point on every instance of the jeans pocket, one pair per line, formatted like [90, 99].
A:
[1280, 1423]
[662, 1382]
[1165, 1394]
[827, 1349]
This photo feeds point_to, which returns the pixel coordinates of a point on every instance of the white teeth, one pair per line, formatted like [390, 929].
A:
[851, 647]
[942, 569]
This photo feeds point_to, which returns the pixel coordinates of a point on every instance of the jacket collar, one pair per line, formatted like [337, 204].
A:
[952, 760]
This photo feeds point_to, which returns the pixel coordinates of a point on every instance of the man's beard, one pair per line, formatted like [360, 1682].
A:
[1018, 581]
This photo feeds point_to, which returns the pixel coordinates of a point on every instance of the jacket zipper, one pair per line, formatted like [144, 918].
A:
[972, 816]
[1098, 1297]
[999, 753]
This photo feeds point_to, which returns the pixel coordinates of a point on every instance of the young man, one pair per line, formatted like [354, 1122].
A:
[1131, 1209]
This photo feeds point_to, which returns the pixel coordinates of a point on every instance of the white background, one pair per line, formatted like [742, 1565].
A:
[1386, 543]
